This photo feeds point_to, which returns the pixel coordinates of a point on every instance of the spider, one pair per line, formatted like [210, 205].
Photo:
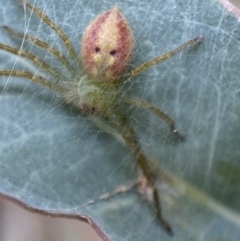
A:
[106, 51]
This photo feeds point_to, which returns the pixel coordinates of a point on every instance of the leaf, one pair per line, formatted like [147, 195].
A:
[55, 160]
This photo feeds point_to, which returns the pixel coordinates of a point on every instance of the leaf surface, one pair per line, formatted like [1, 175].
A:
[55, 159]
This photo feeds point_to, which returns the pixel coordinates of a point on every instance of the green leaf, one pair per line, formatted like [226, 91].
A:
[54, 160]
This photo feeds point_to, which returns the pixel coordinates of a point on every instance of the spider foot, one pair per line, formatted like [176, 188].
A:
[164, 224]
[147, 193]
[177, 134]
[199, 39]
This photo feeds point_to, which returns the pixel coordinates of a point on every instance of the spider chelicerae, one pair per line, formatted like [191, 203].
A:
[106, 51]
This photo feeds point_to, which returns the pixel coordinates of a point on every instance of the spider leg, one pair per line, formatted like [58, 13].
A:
[37, 61]
[158, 60]
[156, 111]
[119, 190]
[41, 44]
[37, 79]
[131, 140]
[57, 29]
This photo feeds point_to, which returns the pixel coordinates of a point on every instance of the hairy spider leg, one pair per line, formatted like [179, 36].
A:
[36, 60]
[121, 189]
[67, 42]
[37, 79]
[131, 140]
[145, 66]
[156, 111]
[139, 69]
[41, 44]
[164, 57]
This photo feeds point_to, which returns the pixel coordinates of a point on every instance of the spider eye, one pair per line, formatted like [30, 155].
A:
[113, 52]
[97, 49]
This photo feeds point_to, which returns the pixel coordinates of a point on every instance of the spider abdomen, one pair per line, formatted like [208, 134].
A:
[107, 46]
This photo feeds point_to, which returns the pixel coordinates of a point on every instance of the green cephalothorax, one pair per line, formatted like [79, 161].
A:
[96, 97]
